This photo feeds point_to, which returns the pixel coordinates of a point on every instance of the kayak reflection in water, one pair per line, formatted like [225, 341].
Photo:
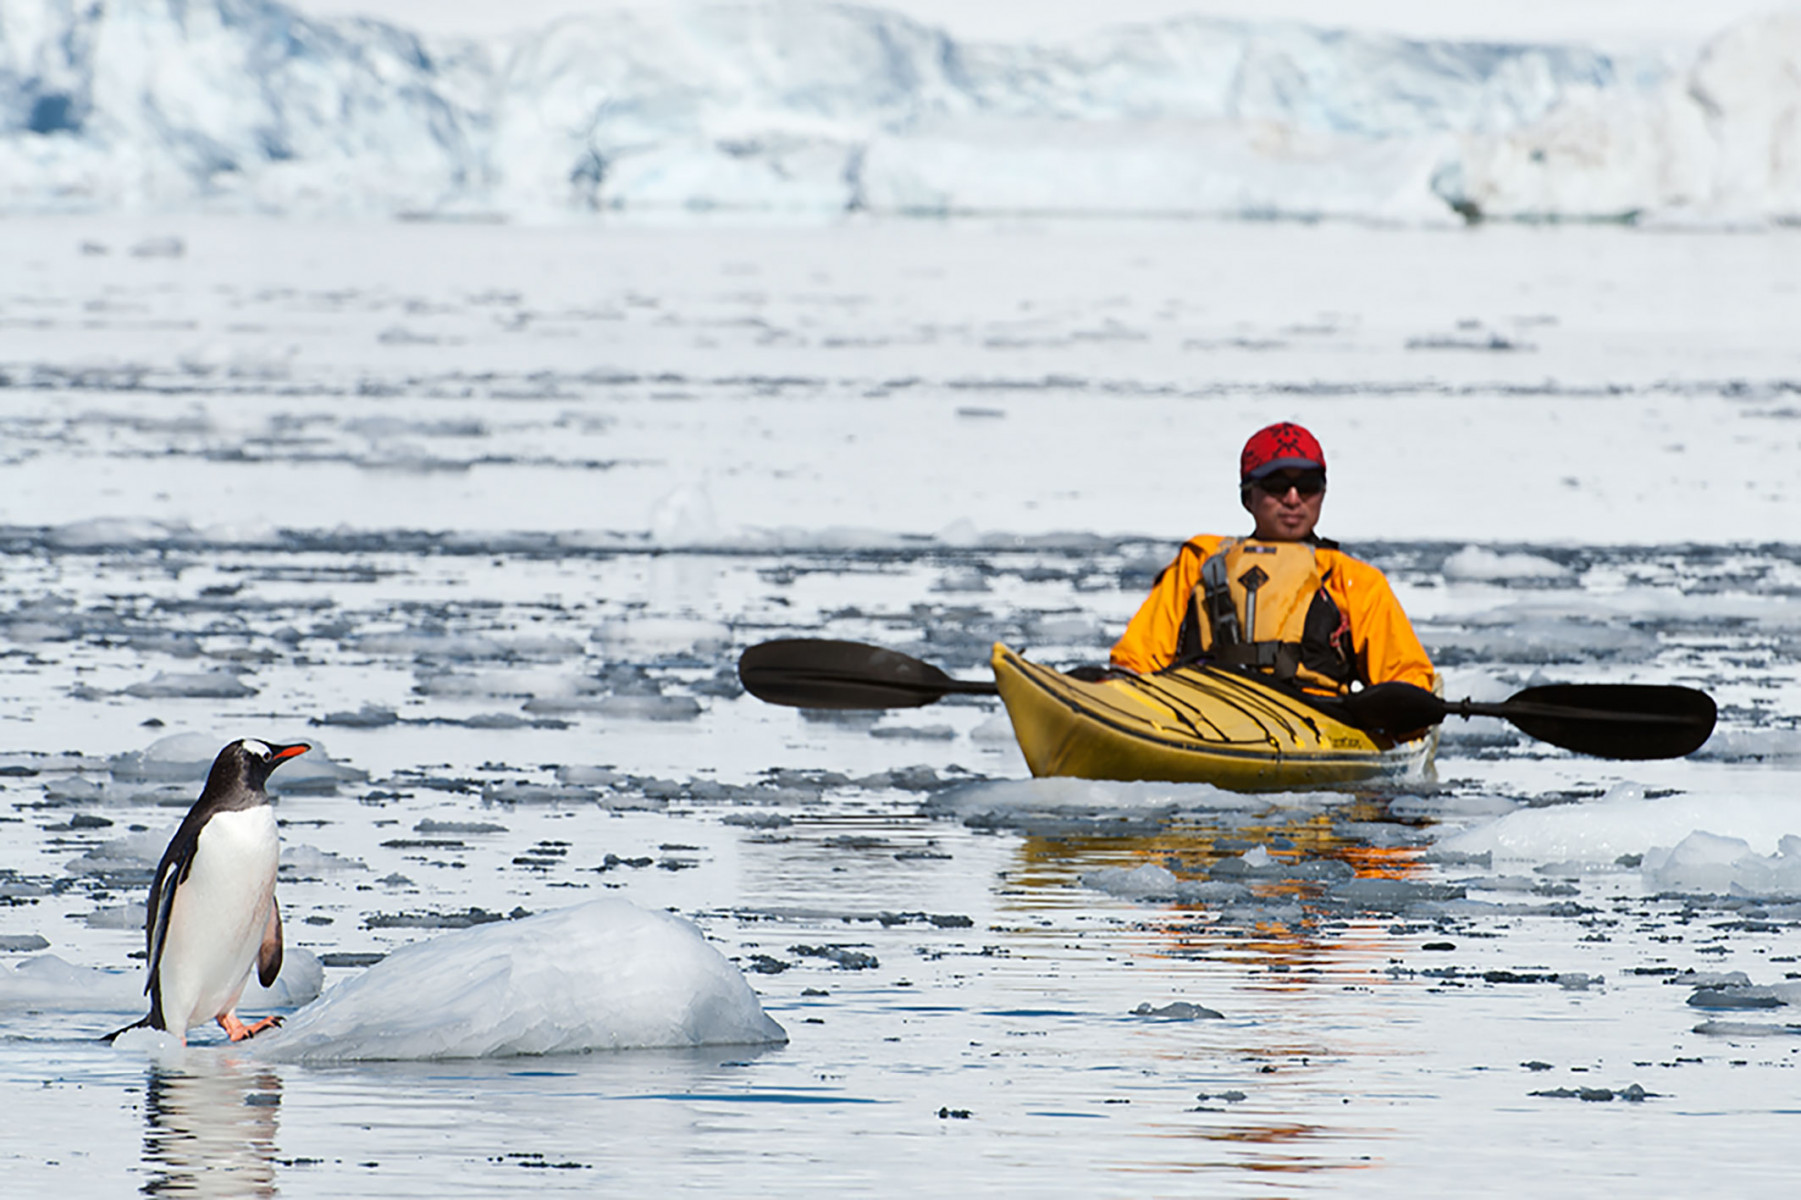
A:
[1283, 602]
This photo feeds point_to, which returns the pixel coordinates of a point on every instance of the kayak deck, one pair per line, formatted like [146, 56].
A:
[1190, 724]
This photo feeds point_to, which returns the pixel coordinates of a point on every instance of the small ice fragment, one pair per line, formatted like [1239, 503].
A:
[369, 716]
[842, 957]
[428, 826]
[1146, 882]
[921, 733]
[1390, 895]
[205, 685]
[1177, 1010]
[1477, 563]
[22, 943]
[163, 246]
[310, 860]
[651, 708]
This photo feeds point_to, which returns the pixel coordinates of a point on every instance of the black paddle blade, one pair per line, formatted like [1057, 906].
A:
[1614, 720]
[817, 673]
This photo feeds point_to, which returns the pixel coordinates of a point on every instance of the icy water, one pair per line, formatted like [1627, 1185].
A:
[487, 514]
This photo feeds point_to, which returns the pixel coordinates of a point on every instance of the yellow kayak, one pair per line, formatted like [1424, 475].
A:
[1191, 724]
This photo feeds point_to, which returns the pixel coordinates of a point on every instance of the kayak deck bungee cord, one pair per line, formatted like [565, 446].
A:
[1191, 724]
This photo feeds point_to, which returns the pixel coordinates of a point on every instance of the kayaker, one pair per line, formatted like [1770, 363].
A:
[1283, 600]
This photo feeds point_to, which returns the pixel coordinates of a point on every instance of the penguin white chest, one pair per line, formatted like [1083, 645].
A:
[219, 915]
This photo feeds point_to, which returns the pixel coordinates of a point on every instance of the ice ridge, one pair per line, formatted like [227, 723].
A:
[813, 107]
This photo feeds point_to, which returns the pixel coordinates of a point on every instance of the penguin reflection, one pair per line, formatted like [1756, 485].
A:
[209, 1129]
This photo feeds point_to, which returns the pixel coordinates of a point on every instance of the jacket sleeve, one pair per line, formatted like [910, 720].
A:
[1149, 643]
[1388, 651]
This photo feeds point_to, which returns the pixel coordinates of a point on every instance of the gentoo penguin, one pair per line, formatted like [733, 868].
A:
[212, 903]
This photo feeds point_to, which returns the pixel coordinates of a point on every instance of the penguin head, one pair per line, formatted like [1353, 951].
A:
[244, 766]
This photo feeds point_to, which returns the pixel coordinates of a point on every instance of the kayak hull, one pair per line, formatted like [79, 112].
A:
[1191, 725]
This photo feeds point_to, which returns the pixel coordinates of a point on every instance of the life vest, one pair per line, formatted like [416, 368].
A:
[1263, 605]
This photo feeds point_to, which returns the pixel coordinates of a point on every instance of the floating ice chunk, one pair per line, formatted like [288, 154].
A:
[1055, 793]
[684, 517]
[1152, 882]
[314, 771]
[108, 532]
[1070, 629]
[73, 789]
[166, 245]
[1739, 1029]
[1621, 823]
[48, 982]
[1177, 1010]
[1146, 882]
[133, 851]
[1707, 862]
[178, 756]
[997, 729]
[301, 979]
[644, 638]
[605, 975]
[201, 685]
[1518, 635]
[188, 757]
[1392, 895]
[1475, 562]
[917, 733]
[964, 580]
[310, 860]
[1746, 996]
[521, 791]
[1745, 745]
[651, 708]
[369, 716]
[962, 532]
[589, 776]
[118, 916]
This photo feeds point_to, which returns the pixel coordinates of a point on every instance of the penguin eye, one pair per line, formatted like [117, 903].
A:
[260, 749]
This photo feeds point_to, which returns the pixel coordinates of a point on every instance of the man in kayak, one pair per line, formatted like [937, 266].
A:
[1283, 601]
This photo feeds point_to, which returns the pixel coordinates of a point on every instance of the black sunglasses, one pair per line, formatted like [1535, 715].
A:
[1308, 483]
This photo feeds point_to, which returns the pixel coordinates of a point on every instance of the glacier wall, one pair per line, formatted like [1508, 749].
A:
[819, 108]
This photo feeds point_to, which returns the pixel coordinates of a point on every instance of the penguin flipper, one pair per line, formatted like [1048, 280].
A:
[268, 955]
[178, 859]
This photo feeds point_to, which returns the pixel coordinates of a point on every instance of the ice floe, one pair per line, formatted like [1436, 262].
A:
[1708, 862]
[605, 975]
[1477, 562]
[1624, 822]
[48, 982]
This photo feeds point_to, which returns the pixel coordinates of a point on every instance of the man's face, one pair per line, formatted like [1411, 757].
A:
[1286, 504]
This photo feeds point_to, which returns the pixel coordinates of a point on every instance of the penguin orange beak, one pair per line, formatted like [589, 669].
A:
[286, 752]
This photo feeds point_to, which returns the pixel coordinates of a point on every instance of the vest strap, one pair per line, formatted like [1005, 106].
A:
[1280, 658]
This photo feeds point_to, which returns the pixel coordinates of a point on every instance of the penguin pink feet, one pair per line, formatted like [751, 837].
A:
[237, 1031]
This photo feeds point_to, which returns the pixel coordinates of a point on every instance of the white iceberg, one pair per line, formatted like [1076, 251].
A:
[1707, 862]
[605, 975]
[821, 109]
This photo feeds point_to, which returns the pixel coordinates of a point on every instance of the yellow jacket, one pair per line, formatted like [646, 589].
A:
[1382, 638]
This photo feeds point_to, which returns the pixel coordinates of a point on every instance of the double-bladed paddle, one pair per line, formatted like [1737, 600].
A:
[1608, 720]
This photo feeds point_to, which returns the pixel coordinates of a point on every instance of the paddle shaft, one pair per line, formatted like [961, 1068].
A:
[1630, 721]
